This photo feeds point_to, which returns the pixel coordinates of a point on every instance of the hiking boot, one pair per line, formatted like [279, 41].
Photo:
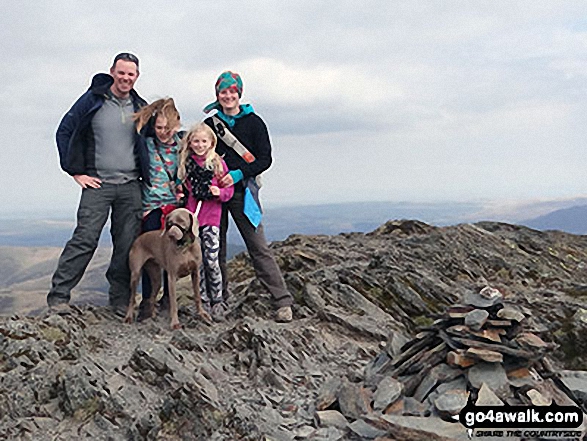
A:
[60, 309]
[164, 303]
[146, 310]
[284, 314]
[118, 310]
[218, 312]
[206, 307]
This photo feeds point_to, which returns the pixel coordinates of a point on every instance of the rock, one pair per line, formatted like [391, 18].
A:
[397, 408]
[486, 397]
[460, 383]
[424, 429]
[521, 377]
[331, 418]
[459, 311]
[551, 391]
[451, 402]
[509, 313]
[493, 375]
[529, 340]
[484, 355]
[82, 387]
[581, 316]
[304, 432]
[366, 430]
[388, 391]
[485, 298]
[499, 323]
[328, 393]
[353, 400]
[441, 373]
[377, 368]
[576, 381]
[458, 358]
[538, 399]
[314, 297]
[413, 407]
[476, 319]
[328, 434]
[395, 342]
[355, 323]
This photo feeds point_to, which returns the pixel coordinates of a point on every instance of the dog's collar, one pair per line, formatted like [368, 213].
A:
[187, 237]
[185, 241]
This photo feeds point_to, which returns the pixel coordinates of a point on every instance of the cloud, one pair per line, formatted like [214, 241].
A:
[379, 100]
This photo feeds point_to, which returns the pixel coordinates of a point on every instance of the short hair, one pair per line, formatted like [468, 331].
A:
[126, 56]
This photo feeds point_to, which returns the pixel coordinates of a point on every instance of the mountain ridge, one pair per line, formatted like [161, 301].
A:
[86, 374]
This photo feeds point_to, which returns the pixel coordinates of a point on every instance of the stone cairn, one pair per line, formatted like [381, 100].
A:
[479, 350]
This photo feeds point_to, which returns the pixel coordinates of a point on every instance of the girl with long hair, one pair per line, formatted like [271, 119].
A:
[200, 170]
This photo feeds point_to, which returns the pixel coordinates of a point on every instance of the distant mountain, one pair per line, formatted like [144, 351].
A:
[571, 220]
[25, 277]
[331, 219]
[280, 222]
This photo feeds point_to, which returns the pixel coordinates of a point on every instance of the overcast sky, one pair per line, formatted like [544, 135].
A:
[373, 100]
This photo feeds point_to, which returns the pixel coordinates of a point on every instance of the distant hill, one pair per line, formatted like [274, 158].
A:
[25, 277]
[279, 222]
[571, 220]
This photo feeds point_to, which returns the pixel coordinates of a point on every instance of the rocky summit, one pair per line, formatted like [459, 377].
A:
[393, 332]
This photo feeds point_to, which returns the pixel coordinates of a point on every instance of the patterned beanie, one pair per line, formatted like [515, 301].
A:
[225, 80]
[229, 79]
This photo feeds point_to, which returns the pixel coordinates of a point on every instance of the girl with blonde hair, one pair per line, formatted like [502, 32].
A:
[200, 170]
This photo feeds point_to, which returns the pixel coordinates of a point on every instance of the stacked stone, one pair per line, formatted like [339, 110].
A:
[480, 350]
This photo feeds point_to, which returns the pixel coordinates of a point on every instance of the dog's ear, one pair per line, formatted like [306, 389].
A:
[195, 226]
[165, 225]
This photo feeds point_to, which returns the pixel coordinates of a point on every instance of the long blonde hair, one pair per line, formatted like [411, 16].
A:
[164, 107]
[213, 160]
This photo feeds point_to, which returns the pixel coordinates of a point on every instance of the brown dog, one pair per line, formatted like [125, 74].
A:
[177, 251]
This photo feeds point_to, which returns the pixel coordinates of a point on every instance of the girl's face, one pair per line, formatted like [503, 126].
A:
[200, 143]
[229, 100]
[164, 134]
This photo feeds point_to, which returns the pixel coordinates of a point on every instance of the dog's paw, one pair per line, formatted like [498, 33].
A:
[128, 319]
[175, 326]
[206, 317]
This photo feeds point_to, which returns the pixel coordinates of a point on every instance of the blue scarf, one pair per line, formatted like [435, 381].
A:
[245, 109]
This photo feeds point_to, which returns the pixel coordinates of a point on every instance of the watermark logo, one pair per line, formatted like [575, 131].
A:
[522, 421]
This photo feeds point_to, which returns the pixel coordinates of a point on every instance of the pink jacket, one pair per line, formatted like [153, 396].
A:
[211, 210]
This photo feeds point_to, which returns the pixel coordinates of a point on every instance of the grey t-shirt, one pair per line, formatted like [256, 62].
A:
[116, 161]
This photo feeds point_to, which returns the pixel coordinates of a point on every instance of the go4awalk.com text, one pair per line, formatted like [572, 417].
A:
[526, 422]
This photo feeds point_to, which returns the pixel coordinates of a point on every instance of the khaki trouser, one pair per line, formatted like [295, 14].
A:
[92, 214]
[264, 264]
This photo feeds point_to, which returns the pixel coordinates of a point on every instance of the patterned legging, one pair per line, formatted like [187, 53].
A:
[210, 274]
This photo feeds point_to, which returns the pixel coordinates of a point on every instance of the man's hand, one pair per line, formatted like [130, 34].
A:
[85, 181]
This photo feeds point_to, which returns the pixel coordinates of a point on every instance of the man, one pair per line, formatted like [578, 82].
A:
[100, 148]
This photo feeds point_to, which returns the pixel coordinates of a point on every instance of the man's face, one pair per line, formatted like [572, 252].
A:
[125, 75]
